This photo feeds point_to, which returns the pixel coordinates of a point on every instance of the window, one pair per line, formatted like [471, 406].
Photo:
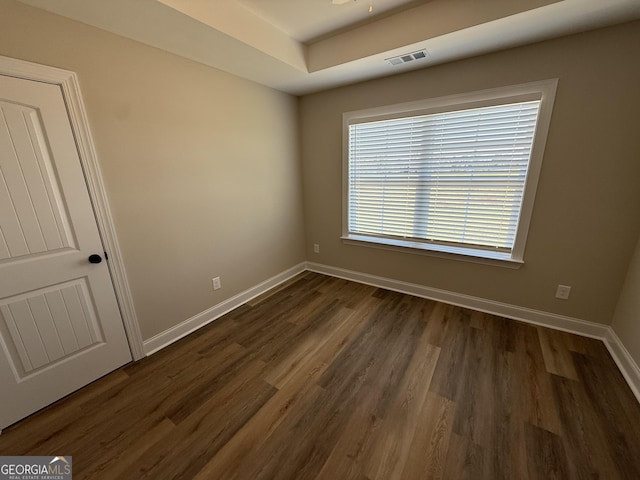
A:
[453, 175]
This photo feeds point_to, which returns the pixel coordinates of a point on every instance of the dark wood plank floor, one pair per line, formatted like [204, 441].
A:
[329, 379]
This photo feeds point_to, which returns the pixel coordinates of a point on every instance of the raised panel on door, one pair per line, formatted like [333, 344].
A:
[48, 325]
[32, 214]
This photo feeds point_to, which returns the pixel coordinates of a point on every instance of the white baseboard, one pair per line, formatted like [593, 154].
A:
[627, 365]
[537, 317]
[621, 356]
[173, 334]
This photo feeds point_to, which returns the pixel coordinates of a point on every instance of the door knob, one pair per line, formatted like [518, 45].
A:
[95, 258]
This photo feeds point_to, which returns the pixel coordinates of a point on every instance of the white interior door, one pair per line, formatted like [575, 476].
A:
[60, 326]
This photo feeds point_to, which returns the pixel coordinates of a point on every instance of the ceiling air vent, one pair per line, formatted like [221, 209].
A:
[408, 57]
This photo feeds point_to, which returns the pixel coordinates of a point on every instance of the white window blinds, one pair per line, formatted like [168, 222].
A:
[454, 178]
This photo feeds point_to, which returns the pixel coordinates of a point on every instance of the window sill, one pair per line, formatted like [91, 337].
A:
[454, 253]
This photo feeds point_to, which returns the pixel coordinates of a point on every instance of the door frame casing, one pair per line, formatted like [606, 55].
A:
[70, 87]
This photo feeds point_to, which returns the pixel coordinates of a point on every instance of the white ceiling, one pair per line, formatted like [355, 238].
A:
[302, 46]
[306, 20]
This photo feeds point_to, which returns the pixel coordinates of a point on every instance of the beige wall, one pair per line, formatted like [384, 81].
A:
[586, 218]
[201, 167]
[626, 321]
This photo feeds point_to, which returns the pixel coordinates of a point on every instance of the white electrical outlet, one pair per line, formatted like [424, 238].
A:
[316, 248]
[216, 283]
[563, 292]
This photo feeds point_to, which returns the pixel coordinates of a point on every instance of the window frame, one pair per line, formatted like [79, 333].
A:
[544, 91]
